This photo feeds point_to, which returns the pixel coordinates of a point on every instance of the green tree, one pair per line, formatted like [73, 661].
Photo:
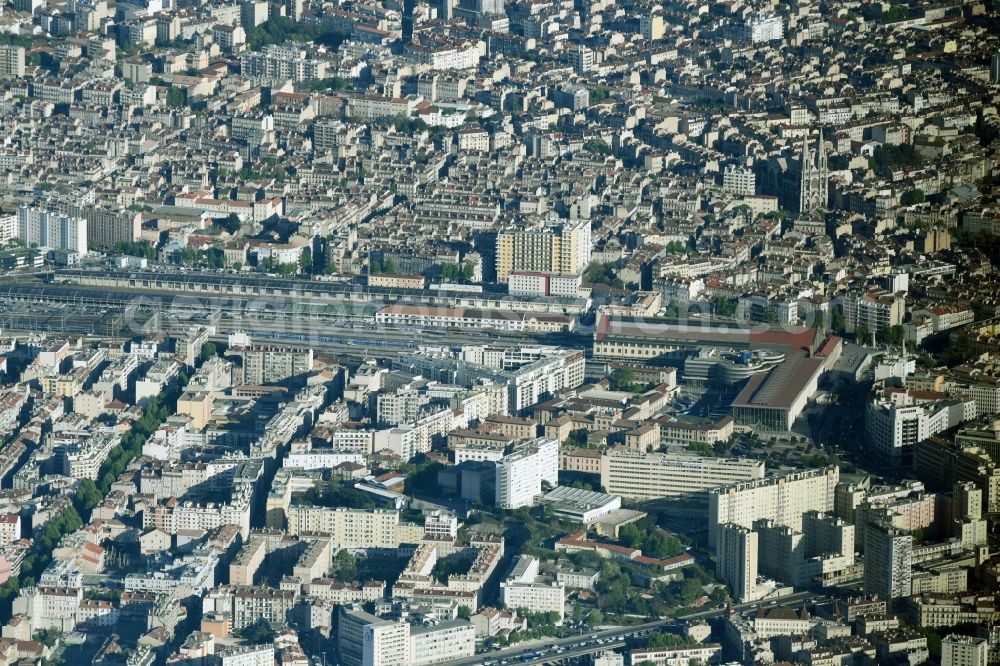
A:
[661, 639]
[404, 124]
[623, 379]
[306, 260]
[884, 158]
[345, 567]
[230, 224]
[47, 637]
[258, 633]
[598, 147]
[598, 94]
[602, 273]
[143, 249]
[911, 197]
[281, 29]
[330, 83]
[892, 335]
[86, 497]
[208, 350]
[176, 98]
[862, 334]
[837, 322]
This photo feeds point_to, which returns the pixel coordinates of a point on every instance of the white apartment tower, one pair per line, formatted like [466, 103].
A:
[519, 475]
[763, 28]
[888, 561]
[581, 59]
[386, 644]
[11, 62]
[525, 588]
[736, 560]
[45, 229]
[739, 180]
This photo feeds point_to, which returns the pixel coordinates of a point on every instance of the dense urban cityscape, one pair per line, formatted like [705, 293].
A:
[499, 332]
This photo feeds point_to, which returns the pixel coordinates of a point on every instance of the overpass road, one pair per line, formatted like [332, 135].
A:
[557, 650]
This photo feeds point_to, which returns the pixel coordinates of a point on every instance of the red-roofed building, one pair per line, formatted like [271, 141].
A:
[578, 542]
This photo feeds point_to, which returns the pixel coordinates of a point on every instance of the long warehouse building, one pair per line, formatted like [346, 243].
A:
[634, 339]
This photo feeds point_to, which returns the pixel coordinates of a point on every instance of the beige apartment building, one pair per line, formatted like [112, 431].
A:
[783, 499]
[563, 248]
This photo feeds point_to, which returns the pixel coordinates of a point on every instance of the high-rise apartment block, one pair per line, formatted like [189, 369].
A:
[520, 474]
[553, 248]
[368, 640]
[762, 28]
[347, 527]
[275, 62]
[875, 310]
[888, 561]
[652, 25]
[45, 229]
[824, 548]
[581, 59]
[783, 499]
[106, 226]
[11, 62]
[268, 364]
[525, 588]
[736, 560]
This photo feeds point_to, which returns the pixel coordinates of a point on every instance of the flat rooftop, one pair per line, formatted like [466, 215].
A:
[780, 388]
[793, 337]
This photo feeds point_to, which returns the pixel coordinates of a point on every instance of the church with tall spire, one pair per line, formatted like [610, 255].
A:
[814, 178]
